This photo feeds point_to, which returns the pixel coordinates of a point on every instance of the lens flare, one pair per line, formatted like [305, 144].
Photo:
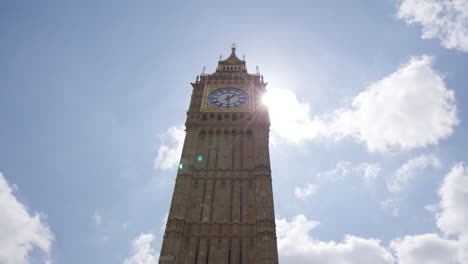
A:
[199, 157]
[181, 166]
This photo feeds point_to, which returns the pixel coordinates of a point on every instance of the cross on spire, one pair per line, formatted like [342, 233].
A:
[234, 46]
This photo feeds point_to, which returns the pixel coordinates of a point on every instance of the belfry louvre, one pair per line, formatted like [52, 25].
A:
[222, 206]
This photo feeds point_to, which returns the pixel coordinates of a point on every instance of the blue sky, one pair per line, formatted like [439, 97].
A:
[368, 108]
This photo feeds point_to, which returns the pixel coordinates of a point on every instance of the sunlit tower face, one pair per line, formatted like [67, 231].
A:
[222, 205]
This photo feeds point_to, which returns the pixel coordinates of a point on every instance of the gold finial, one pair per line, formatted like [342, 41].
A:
[234, 46]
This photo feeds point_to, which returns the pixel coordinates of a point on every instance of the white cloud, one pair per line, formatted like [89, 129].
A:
[391, 204]
[427, 249]
[453, 215]
[408, 171]
[96, 218]
[446, 20]
[452, 219]
[20, 232]
[163, 223]
[169, 153]
[390, 114]
[432, 208]
[403, 176]
[295, 245]
[369, 171]
[303, 193]
[142, 252]
[342, 169]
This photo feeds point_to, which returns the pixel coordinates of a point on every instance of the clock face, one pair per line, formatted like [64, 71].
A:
[228, 97]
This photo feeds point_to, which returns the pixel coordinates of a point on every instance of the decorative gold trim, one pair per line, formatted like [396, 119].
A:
[246, 87]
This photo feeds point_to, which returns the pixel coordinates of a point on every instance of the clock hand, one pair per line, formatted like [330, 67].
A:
[228, 98]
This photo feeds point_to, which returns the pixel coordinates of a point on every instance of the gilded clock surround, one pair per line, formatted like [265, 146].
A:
[228, 97]
[247, 88]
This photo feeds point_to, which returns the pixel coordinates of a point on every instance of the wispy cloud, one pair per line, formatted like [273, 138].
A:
[389, 115]
[163, 223]
[297, 245]
[142, 252]
[341, 170]
[305, 192]
[369, 171]
[391, 204]
[20, 232]
[170, 150]
[96, 217]
[446, 20]
[408, 171]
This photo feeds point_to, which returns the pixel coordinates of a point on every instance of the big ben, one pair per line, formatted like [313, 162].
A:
[222, 205]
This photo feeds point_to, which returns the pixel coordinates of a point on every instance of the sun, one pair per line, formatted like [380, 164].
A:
[290, 118]
[267, 100]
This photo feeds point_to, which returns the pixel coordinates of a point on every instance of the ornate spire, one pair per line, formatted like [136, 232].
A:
[233, 56]
[234, 46]
[232, 63]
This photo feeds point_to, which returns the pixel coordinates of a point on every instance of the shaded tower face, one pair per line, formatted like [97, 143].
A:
[222, 205]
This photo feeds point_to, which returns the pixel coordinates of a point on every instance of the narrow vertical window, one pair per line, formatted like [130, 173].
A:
[229, 254]
[207, 252]
[209, 151]
[212, 200]
[203, 201]
[230, 203]
[240, 202]
[196, 252]
[242, 152]
[233, 151]
[240, 252]
[217, 150]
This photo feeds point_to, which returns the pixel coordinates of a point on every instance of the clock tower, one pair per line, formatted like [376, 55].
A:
[222, 206]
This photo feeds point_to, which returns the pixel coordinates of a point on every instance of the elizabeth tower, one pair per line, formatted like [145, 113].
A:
[222, 205]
